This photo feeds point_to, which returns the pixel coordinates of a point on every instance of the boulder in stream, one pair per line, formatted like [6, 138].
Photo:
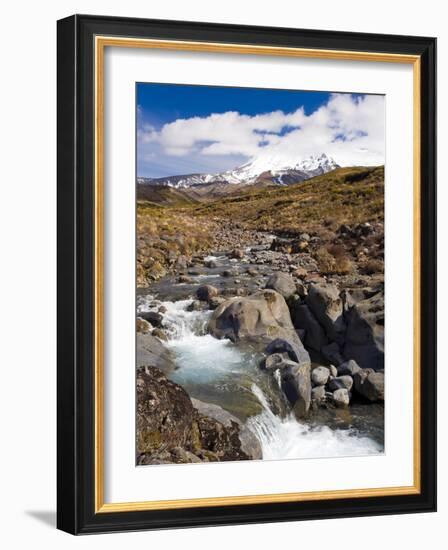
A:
[152, 353]
[249, 442]
[369, 384]
[260, 317]
[296, 385]
[171, 430]
[282, 283]
[364, 339]
[326, 305]
[206, 292]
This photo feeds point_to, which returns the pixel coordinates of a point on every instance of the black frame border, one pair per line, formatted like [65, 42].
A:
[76, 263]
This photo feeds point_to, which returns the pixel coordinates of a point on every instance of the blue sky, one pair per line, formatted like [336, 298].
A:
[187, 129]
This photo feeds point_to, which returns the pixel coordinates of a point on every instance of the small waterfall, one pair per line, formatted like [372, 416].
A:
[217, 370]
[180, 323]
[202, 358]
[289, 438]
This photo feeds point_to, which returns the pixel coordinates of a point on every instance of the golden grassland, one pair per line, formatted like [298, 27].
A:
[319, 205]
[344, 196]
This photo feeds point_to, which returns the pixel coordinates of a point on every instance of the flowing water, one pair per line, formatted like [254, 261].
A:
[219, 372]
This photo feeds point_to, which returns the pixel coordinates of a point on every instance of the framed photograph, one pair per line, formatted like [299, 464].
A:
[246, 274]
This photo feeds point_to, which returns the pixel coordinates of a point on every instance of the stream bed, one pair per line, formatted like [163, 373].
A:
[228, 375]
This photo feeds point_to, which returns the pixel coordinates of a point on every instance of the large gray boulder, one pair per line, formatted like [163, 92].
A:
[164, 413]
[152, 353]
[282, 283]
[249, 441]
[261, 317]
[326, 305]
[369, 384]
[302, 318]
[364, 338]
[296, 385]
[171, 430]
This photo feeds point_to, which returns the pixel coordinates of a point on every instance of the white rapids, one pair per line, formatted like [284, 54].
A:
[288, 438]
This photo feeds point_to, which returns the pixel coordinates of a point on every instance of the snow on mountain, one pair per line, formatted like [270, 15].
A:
[280, 169]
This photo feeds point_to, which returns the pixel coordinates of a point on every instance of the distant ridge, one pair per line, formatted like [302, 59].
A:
[267, 168]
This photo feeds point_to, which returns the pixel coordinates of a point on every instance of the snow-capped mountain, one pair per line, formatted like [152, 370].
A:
[279, 170]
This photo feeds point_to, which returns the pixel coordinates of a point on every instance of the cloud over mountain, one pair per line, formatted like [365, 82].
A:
[348, 128]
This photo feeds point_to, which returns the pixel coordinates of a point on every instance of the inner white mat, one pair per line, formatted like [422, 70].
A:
[124, 482]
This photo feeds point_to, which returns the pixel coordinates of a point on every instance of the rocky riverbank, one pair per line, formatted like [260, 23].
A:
[318, 340]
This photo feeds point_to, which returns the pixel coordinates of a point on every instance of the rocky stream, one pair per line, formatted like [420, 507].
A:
[244, 354]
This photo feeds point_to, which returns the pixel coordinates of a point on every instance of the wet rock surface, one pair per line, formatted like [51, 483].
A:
[171, 430]
[261, 317]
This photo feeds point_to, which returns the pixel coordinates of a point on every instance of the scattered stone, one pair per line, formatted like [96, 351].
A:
[211, 264]
[282, 283]
[348, 368]
[237, 254]
[142, 325]
[229, 273]
[319, 376]
[341, 398]
[369, 384]
[318, 394]
[206, 292]
[162, 309]
[300, 272]
[182, 262]
[300, 246]
[184, 279]
[333, 371]
[296, 385]
[340, 382]
[152, 317]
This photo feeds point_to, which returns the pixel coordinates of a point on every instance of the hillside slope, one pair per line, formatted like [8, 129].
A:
[319, 206]
[345, 195]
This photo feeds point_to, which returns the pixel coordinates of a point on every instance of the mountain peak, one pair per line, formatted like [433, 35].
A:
[282, 170]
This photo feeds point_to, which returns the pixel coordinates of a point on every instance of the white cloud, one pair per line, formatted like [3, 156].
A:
[348, 128]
